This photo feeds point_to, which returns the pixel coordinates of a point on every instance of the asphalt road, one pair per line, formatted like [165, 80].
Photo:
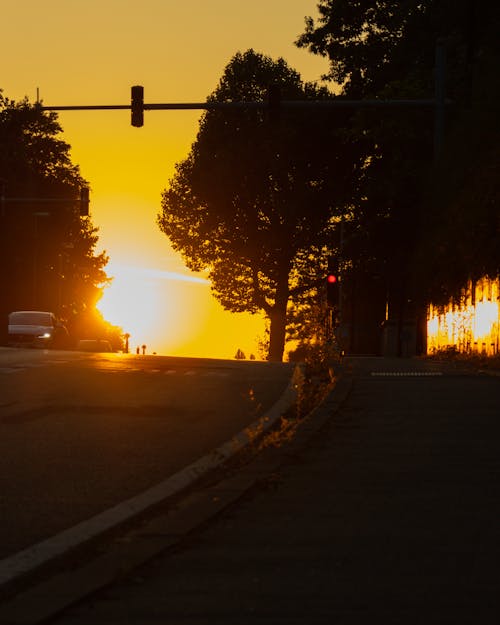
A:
[388, 515]
[80, 433]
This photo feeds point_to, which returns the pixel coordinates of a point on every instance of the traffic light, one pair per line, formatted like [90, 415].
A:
[274, 102]
[84, 201]
[332, 288]
[137, 106]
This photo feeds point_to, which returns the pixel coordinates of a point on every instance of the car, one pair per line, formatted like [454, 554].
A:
[94, 345]
[36, 328]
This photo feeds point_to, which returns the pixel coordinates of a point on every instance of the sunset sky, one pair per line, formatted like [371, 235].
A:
[79, 52]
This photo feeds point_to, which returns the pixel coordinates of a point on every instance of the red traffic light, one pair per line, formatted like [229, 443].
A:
[332, 290]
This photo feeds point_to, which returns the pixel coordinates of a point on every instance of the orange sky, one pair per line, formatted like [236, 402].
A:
[91, 52]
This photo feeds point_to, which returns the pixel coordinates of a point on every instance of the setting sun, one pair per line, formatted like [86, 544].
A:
[149, 305]
[175, 314]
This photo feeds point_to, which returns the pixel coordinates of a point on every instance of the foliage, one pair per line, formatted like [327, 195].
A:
[376, 44]
[308, 329]
[48, 258]
[252, 203]
[480, 362]
[417, 223]
[90, 324]
[34, 161]
[360, 40]
[369, 48]
[461, 203]
[316, 343]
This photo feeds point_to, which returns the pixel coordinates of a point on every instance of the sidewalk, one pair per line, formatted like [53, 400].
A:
[389, 514]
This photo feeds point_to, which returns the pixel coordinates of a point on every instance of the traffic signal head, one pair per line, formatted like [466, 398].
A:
[137, 106]
[332, 289]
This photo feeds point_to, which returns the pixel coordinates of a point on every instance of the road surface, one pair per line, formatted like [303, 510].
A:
[389, 515]
[80, 432]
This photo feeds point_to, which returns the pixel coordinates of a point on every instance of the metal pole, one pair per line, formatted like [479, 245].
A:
[341, 268]
[440, 98]
[287, 104]
[2, 198]
[35, 260]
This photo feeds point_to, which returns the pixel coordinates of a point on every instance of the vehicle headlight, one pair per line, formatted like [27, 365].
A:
[45, 335]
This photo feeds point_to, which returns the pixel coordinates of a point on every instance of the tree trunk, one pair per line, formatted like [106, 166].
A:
[277, 332]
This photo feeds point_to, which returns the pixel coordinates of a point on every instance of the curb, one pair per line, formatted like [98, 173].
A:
[27, 561]
[45, 600]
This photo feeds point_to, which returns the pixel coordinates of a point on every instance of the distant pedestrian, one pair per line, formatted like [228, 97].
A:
[137, 350]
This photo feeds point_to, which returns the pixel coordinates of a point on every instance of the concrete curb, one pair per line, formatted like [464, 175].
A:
[29, 560]
[43, 601]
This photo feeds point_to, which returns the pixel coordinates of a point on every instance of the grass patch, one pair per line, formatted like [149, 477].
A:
[474, 360]
[312, 382]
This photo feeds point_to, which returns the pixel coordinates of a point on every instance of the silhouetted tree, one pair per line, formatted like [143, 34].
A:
[255, 201]
[381, 49]
[90, 324]
[386, 49]
[460, 208]
[48, 257]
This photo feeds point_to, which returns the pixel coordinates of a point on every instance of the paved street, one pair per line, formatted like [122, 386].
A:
[389, 515]
[80, 433]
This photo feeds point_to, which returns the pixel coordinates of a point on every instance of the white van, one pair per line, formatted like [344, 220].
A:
[36, 328]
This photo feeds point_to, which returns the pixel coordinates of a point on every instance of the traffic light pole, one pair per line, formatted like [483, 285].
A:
[274, 104]
[286, 104]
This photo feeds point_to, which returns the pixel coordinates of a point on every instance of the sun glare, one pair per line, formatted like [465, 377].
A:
[131, 302]
[174, 313]
[150, 305]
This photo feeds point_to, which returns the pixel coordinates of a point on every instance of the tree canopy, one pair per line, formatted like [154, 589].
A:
[48, 258]
[428, 222]
[252, 203]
